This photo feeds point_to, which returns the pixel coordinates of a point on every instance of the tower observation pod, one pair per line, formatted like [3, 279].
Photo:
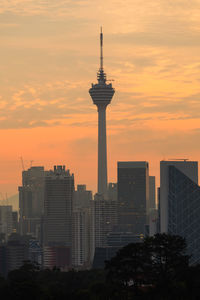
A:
[101, 94]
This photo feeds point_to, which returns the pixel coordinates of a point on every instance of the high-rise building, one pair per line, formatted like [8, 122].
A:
[133, 196]
[59, 189]
[82, 197]
[152, 192]
[101, 94]
[6, 224]
[82, 228]
[180, 203]
[105, 219]
[15, 223]
[112, 191]
[31, 201]
[189, 168]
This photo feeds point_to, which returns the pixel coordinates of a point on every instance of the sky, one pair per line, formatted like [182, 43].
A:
[49, 53]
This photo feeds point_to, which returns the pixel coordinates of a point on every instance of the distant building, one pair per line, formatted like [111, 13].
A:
[180, 203]
[15, 223]
[17, 252]
[57, 256]
[112, 191]
[31, 201]
[59, 189]
[133, 196]
[105, 218]
[152, 192]
[3, 265]
[81, 229]
[82, 197]
[189, 169]
[6, 222]
[121, 239]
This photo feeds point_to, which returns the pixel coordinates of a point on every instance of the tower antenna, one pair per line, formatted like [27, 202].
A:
[101, 49]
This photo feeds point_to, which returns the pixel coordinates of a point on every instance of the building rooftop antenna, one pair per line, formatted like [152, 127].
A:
[101, 49]
[178, 159]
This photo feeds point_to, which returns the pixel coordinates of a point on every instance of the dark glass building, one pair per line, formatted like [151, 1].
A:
[184, 210]
[133, 196]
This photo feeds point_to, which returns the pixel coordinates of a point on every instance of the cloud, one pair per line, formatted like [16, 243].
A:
[43, 105]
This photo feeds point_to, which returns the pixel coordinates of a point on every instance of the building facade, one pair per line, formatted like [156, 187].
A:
[183, 205]
[189, 169]
[31, 201]
[133, 196]
[58, 195]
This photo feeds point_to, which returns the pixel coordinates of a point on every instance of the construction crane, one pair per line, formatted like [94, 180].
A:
[22, 162]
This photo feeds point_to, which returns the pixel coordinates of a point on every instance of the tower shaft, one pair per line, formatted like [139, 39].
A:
[102, 151]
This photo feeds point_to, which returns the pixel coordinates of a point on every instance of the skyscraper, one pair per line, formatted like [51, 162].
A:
[59, 188]
[31, 201]
[133, 196]
[180, 203]
[152, 192]
[82, 228]
[189, 168]
[101, 94]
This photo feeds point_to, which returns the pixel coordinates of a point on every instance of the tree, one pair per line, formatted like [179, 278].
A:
[128, 270]
[158, 263]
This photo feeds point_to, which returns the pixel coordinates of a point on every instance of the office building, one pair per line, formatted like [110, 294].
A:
[82, 228]
[31, 201]
[82, 197]
[133, 196]
[6, 222]
[82, 235]
[152, 192]
[59, 189]
[189, 169]
[180, 196]
[105, 219]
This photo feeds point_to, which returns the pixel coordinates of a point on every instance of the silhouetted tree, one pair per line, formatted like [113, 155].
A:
[159, 263]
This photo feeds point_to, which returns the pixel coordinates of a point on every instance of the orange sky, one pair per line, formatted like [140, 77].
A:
[50, 56]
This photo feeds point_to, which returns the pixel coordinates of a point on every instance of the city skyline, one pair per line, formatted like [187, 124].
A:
[49, 59]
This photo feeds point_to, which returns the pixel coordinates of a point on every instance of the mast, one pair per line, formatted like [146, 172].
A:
[101, 50]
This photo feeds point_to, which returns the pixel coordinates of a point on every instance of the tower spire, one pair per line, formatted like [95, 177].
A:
[101, 49]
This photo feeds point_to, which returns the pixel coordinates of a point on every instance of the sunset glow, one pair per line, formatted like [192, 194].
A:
[49, 58]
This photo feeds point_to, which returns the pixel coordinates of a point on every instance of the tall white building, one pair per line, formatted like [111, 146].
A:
[188, 168]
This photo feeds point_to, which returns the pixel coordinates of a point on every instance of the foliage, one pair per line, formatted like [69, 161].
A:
[157, 268]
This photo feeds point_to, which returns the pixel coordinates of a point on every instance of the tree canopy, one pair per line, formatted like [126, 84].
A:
[157, 268]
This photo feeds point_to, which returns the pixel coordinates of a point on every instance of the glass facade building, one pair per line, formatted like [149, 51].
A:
[184, 210]
[133, 196]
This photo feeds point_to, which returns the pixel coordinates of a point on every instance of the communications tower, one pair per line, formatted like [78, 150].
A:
[101, 94]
